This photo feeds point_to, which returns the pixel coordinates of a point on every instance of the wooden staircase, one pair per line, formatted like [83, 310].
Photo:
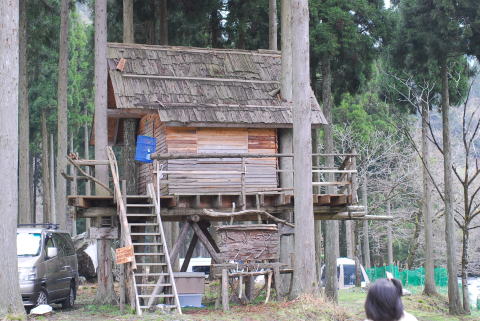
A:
[142, 228]
[154, 281]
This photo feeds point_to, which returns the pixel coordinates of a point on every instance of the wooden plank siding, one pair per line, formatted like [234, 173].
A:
[150, 125]
[261, 173]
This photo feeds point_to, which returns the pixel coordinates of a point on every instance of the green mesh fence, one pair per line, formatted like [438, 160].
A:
[414, 277]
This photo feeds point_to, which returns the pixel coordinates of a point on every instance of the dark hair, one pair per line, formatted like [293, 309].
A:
[384, 302]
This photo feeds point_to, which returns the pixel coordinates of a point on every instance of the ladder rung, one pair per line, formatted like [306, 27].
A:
[163, 305]
[156, 296]
[142, 224]
[137, 196]
[151, 274]
[147, 264]
[153, 284]
[146, 243]
[142, 214]
[152, 254]
[145, 234]
[139, 205]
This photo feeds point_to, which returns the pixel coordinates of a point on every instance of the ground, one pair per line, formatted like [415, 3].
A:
[350, 308]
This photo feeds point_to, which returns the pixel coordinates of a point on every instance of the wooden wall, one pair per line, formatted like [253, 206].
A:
[261, 173]
[150, 125]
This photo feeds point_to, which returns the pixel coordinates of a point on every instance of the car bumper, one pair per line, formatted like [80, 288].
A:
[29, 291]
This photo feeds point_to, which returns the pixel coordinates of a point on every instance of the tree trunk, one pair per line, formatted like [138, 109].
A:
[73, 191]
[161, 23]
[24, 209]
[304, 263]
[316, 190]
[366, 241]
[47, 215]
[389, 237]
[286, 79]
[429, 288]
[412, 250]
[349, 239]
[51, 175]
[129, 165]
[466, 300]
[454, 304]
[357, 253]
[128, 27]
[286, 139]
[62, 119]
[10, 298]
[331, 227]
[105, 293]
[272, 25]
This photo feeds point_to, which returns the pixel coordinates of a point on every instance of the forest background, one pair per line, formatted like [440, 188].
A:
[368, 60]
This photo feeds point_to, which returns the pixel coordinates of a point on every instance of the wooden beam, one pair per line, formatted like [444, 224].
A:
[94, 212]
[128, 112]
[189, 253]
[204, 228]
[222, 80]
[165, 156]
[179, 242]
[103, 233]
[198, 232]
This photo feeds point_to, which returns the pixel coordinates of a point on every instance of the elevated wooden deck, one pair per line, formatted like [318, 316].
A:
[245, 203]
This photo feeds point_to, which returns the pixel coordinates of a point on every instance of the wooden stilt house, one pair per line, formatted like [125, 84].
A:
[201, 101]
[223, 153]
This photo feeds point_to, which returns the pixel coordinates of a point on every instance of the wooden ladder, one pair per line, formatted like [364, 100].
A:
[153, 279]
[142, 228]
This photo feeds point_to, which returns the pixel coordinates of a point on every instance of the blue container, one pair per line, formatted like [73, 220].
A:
[146, 145]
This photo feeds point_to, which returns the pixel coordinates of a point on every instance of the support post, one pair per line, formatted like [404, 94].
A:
[225, 298]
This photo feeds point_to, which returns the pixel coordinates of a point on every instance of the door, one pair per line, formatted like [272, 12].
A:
[65, 269]
[52, 270]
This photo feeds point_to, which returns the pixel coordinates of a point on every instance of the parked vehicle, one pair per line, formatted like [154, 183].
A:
[346, 274]
[47, 265]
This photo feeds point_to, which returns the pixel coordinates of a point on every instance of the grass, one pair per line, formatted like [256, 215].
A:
[425, 308]
[350, 308]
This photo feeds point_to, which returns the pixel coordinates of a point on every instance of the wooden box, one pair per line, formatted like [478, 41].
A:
[249, 242]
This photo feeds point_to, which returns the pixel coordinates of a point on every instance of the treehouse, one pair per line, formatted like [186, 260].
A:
[210, 102]
[223, 152]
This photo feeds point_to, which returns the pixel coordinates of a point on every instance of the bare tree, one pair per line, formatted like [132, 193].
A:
[24, 201]
[105, 292]
[62, 118]
[304, 263]
[10, 299]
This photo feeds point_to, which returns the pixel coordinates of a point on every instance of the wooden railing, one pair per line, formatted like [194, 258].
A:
[344, 175]
[120, 201]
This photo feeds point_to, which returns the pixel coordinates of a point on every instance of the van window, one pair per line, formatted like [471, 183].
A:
[63, 244]
[28, 244]
[48, 242]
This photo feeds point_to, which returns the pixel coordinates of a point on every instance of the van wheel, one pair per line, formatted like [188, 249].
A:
[70, 300]
[42, 297]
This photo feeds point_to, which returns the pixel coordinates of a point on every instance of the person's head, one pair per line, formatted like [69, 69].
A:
[384, 301]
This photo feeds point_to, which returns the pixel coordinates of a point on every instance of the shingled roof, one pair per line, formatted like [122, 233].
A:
[192, 86]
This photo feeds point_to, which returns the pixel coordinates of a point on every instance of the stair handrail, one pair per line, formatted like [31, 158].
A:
[156, 201]
[121, 207]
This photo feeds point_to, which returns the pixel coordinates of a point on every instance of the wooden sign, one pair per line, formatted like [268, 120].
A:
[124, 255]
[103, 233]
[249, 242]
